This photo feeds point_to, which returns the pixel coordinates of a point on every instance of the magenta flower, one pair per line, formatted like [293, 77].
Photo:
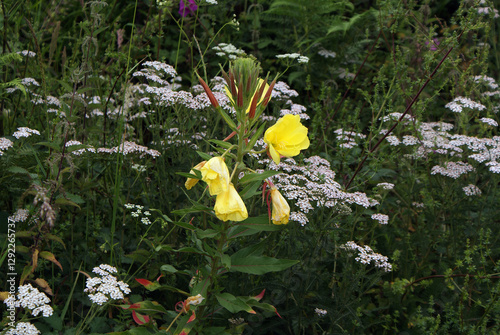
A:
[189, 9]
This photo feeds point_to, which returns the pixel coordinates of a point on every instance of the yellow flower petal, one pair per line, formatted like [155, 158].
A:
[230, 206]
[281, 209]
[287, 137]
[216, 175]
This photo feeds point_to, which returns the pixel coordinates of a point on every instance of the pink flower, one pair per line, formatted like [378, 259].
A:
[189, 9]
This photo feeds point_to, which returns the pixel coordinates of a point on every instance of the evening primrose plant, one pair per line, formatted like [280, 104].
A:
[225, 177]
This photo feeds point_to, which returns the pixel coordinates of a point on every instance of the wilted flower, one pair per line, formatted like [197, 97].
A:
[281, 209]
[190, 182]
[230, 206]
[286, 138]
[216, 175]
[194, 300]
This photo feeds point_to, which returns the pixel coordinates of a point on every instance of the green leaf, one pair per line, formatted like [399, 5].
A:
[233, 304]
[66, 202]
[168, 269]
[184, 225]
[193, 209]
[227, 118]
[203, 155]
[206, 233]
[55, 238]
[259, 265]
[250, 190]
[257, 176]
[225, 145]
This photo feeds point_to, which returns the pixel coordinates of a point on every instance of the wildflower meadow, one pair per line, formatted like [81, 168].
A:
[249, 167]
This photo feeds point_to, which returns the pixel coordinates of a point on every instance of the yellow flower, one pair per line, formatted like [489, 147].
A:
[216, 175]
[286, 138]
[190, 182]
[259, 84]
[281, 209]
[230, 206]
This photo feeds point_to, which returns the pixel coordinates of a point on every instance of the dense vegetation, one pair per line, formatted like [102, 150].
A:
[108, 106]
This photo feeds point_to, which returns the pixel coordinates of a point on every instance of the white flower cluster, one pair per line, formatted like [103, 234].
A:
[471, 190]
[78, 152]
[101, 289]
[20, 215]
[295, 109]
[459, 103]
[5, 144]
[212, 2]
[487, 80]
[320, 312]
[27, 53]
[489, 121]
[385, 186]
[381, 218]
[32, 299]
[300, 59]
[452, 169]
[327, 54]
[130, 148]
[23, 328]
[312, 186]
[25, 132]
[418, 204]
[138, 213]
[283, 92]
[347, 138]
[29, 81]
[228, 50]
[139, 167]
[487, 10]
[366, 256]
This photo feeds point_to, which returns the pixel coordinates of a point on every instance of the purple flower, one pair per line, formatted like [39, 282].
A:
[189, 9]
[433, 44]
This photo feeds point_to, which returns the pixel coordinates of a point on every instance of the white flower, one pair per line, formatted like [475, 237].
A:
[366, 256]
[23, 328]
[489, 121]
[25, 132]
[386, 186]
[194, 300]
[32, 299]
[471, 190]
[320, 312]
[381, 218]
[101, 289]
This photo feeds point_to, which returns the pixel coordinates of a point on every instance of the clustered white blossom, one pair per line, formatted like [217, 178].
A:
[489, 121]
[300, 59]
[295, 109]
[471, 190]
[385, 186]
[27, 53]
[5, 144]
[78, 152]
[156, 71]
[228, 50]
[283, 92]
[138, 213]
[459, 103]
[23, 328]
[418, 204]
[327, 54]
[139, 168]
[320, 312]
[20, 215]
[32, 299]
[367, 256]
[487, 10]
[212, 2]
[347, 138]
[25, 132]
[381, 218]
[101, 289]
[312, 186]
[452, 169]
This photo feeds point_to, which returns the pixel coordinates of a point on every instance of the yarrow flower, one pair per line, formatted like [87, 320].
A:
[385, 186]
[32, 299]
[106, 287]
[286, 137]
[23, 328]
[25, 132]
[366, 256]
[381, 218]
[471, 190]
[5, 144]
